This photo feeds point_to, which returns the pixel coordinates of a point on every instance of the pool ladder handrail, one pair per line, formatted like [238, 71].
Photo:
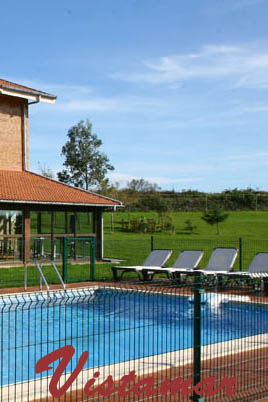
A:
[42, 276]
[57, 272]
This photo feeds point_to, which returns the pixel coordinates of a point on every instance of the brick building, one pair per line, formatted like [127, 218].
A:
[33, 207]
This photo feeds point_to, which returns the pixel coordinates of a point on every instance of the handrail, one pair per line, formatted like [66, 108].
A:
[57, 272]
[42, 277]
[41, 273]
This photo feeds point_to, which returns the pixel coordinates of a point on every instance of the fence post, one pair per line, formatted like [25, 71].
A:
[65, 259]
[152, 243]
[92, 259]
[197, 335]
[240, 254]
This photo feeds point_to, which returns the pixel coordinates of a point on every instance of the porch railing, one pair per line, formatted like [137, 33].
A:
[42, 246]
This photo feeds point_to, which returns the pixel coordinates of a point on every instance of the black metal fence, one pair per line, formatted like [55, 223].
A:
[134, 343]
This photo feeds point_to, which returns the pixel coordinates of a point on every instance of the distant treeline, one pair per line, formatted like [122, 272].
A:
[155, 199]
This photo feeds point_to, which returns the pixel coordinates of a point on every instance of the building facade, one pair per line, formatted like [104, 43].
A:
[37, 212]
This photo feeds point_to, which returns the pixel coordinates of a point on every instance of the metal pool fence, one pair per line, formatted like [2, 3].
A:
[130, 251]
[134, 252]
[134, 343]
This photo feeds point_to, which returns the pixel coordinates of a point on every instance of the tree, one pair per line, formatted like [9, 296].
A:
[189, 226]
[109, 189]
[45, 171]
[142, 185]
[155, 202]
[214, 217]
[85, 165]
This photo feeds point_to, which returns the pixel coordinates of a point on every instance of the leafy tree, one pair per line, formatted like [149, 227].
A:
[142, 186]
[105, 187]
[85, 165]
[189, 226]
[214, 217]
[154, 202]
[45, 171]
[134, 193]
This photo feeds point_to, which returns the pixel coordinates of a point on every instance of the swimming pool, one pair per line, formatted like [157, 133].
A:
[114, 325]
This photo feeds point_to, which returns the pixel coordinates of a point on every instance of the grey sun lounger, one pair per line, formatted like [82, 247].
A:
[156, 259]
[258, 268]
[221, 261]
[187, 259]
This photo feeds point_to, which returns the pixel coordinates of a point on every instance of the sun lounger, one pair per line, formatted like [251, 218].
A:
[221, 261]
[156, 259]
[258, 269]
[187, 259]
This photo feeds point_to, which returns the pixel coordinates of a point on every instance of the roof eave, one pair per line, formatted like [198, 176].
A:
[61, 203]
[25, 94]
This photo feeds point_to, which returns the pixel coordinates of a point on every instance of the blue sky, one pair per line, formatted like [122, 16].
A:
[176, 90]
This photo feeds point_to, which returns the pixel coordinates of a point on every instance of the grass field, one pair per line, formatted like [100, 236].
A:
[251, 226]
[245, 224]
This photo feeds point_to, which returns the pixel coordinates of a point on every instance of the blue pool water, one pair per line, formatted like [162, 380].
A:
[113, 325]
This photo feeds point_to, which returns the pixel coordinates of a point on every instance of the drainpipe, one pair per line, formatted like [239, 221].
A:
[24, 109]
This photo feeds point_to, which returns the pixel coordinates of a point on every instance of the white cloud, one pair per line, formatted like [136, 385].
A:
[97, 104]
[73, 98]
[252, 156]
[246, 65]
[256, 109]
[164, 181]
[120, 103]
[245, 3]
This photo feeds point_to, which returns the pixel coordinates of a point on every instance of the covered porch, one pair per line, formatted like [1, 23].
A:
[34, 232]
[34, 225]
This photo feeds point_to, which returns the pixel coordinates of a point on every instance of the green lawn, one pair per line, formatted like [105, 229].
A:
[246, 224]
[14, 277]
[251, 226]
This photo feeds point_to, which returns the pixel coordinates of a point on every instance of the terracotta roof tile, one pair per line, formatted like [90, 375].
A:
[31, 187]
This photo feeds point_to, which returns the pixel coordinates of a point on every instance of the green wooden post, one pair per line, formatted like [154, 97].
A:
[92, 259]
[65, 260]
[52, 240]
[152, 243]
[240, 254]
[197, 335]
[66, 240]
